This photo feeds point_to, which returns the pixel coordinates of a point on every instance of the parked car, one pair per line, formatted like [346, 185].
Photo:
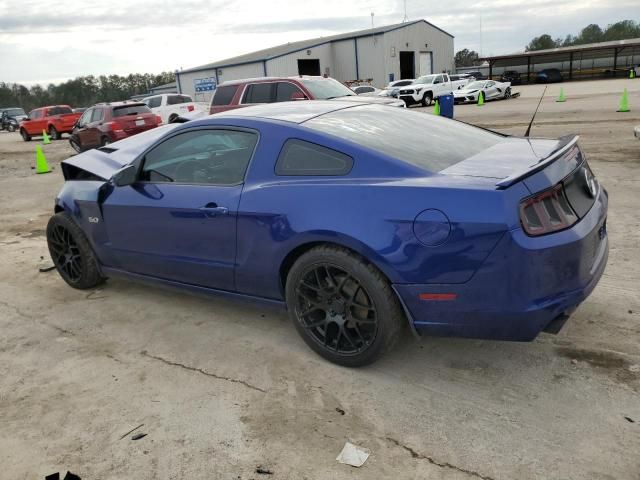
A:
[55, 120]
[511, 76]
[10, 118]
[170, 106]
[243, 93]
[489, 89]
[400, 218]
[109, 122]
[549, 75]
[393, 88]
[365, 89]
[478, 75]
[425, 89]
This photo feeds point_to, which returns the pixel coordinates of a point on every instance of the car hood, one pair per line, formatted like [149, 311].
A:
[18, 118]
[506, 158]
[106, 161]
[376, 99]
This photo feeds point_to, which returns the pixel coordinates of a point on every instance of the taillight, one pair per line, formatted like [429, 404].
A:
[114, 126]
[158, 119]
[547, 212]
[190, 108]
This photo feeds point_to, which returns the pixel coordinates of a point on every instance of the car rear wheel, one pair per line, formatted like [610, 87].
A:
[343, 307]
[53, 133]
[427, 98]
[25, 136]
[71, 253]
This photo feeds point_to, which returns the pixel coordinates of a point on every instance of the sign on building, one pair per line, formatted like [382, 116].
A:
[205, 84]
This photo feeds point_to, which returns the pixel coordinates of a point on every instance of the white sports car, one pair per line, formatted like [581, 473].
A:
[490, 89]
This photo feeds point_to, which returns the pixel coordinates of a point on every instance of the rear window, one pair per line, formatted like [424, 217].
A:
[177, 99]
[426, 141]
[130, 110]
[224, 95]
[59, 110]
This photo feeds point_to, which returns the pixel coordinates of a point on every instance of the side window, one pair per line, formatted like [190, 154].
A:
[97, 115]
[154, 102]
[86, 117]
[305, 158]
[285, 91]
[210, 157]
[259, 93]
[35, 115]
[224, 95]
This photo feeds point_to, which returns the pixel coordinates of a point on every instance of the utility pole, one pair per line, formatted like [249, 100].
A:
[480, 34]
[372, 14]
[405, 19]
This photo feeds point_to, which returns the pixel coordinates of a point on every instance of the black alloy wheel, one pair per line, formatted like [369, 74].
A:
[342, 306]
[71, 253]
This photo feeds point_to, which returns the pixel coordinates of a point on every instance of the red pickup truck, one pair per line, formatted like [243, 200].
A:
[56, 120]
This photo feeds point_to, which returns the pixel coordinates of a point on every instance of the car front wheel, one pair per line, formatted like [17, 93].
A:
[11, 127]
[25, 136]
[427, 98]
[71, 253]
[342, 306]
[507, 93]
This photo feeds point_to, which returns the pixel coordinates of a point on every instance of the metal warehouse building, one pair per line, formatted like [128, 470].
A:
[404, 50]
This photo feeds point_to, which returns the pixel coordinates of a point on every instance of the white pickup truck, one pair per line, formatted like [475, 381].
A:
[428, 87]
[169, 106]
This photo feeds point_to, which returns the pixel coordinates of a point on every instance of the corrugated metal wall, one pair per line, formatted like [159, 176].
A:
[288, 65]
[338, 59]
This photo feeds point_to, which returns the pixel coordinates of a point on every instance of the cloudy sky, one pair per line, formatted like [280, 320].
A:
[44, 41]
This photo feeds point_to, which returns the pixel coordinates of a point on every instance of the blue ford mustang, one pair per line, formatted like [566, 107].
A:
[358, 219]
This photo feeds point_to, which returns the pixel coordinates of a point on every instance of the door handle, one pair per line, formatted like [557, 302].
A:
[212, 209]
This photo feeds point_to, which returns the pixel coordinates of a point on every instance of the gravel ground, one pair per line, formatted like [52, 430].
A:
[223, 388]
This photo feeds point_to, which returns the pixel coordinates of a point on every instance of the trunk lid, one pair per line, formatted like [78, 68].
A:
[539, 163]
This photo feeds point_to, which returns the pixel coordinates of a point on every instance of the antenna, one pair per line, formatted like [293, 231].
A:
[405, 19]
[526, 134]
[372, 14]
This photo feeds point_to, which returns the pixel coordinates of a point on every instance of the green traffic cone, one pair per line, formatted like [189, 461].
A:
[632, 73]
[561, 97]
[45, 137]
[480, 99]
[436, 108]
[624, 102]
[41, 161]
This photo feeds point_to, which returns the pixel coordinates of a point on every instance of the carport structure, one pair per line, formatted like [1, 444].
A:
[604, 58]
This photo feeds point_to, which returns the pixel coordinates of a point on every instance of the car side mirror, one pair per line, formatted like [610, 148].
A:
[298, 96]
[125, 176]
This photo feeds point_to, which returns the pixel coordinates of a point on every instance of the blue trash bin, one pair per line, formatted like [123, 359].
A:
[446, 105]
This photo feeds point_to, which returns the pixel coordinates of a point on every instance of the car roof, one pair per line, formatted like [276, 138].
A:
[273, 79]
[120, 104]
[295, 112]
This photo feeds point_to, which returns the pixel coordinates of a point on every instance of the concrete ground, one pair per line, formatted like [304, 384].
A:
[224, 389]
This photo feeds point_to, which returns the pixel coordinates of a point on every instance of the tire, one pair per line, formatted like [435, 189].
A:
[75, 145]
[427, 98]
[53, 133]
[11, 128]
[104, 141]
[71, 253]
[25, 136]
[507, 93]
[328, 290]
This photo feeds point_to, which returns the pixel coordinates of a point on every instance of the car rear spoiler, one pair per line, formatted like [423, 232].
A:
[566, 143]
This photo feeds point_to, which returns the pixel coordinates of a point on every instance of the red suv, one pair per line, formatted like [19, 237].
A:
[109, 122]
[242, 93]
[56, 120]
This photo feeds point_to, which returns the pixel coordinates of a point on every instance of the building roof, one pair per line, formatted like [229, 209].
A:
[165, 86]
[287, 48]
[588, 49]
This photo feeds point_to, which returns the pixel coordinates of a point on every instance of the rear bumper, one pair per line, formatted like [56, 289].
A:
[527, 285]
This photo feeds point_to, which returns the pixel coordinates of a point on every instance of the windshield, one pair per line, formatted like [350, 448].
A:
[427, 79]
[14, 112]
[326, 88]
[476, 85]
[426, 141]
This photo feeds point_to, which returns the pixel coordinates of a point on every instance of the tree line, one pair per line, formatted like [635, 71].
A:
[81, 91]
[593, 33]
